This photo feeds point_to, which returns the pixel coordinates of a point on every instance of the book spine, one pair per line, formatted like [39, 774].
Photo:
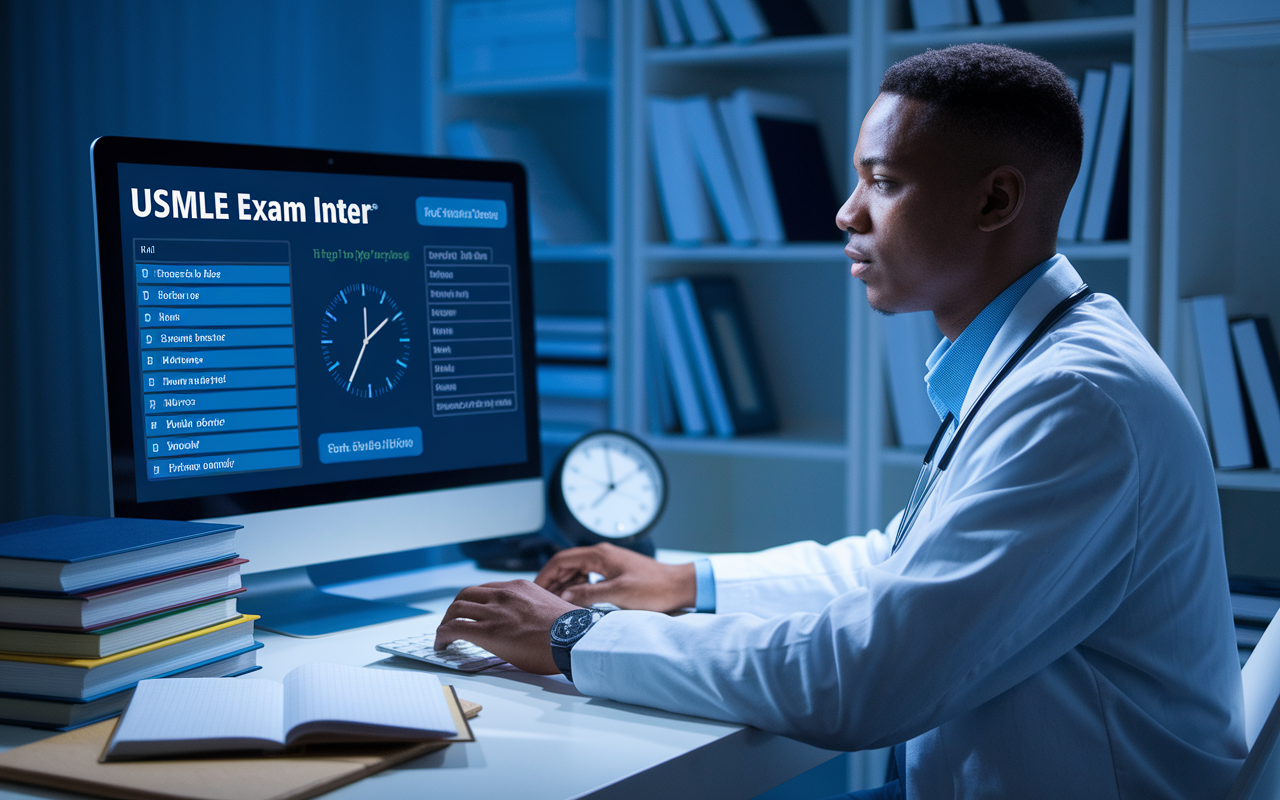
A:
[685, 207]
[688, 403]
[1259, 383]
[1227, 427]
[748, 154]
[742, 20]
[662, 408]
[709, 379]
[669, 23]
[718, 173]
[702, 22]
[1092, 95]
[989, 12]
[1107, 157]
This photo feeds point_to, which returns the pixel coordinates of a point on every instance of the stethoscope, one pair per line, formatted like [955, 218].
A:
[928, 475]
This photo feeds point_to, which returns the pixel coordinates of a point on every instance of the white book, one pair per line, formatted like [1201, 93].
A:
[712, 389]
[1092, 95]
[738, 114]
[1227, 427]
[669, 24]
[1252, 348]
[556, 215]
[718, 171]
[989, 11]
[1115, 115]
[703, 27]
[316, 702]
[742, 20]
[685, 206]
[908, 340]
[689, 404]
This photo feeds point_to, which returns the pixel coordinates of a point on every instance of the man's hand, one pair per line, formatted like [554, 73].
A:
[630, 579]
[512, 620]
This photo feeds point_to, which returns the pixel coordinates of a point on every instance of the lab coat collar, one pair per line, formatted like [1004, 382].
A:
[1058, 281]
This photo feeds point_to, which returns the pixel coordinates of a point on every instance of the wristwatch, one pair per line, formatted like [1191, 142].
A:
[568, 628]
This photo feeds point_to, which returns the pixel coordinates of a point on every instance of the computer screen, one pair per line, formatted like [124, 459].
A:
[334, 348]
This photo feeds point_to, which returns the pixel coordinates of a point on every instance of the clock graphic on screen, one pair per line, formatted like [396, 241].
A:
[364, 338]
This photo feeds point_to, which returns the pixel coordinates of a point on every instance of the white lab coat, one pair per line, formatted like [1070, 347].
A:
[1056, 625]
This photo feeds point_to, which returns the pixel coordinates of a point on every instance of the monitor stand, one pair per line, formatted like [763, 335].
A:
[289, 603]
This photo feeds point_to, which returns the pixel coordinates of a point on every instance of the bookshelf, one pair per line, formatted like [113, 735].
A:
[1216, 238]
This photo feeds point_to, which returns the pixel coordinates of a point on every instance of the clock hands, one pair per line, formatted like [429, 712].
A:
[365, 343]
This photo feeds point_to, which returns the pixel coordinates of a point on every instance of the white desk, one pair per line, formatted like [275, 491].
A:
[537, 737]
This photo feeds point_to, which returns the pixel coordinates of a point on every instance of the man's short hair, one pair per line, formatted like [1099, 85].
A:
[1000, 93]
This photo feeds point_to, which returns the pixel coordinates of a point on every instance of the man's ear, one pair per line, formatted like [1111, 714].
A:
[1004, 189]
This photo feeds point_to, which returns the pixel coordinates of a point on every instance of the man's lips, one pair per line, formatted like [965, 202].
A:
[857, 256]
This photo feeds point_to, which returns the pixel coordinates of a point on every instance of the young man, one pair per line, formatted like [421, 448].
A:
[1050, 617]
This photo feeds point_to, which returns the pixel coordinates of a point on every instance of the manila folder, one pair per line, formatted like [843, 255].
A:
[70, 761]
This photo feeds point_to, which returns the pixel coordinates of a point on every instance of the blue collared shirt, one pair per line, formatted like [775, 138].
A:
[951, 367]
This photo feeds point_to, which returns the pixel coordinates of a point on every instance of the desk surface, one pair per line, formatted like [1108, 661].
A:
[537, 737]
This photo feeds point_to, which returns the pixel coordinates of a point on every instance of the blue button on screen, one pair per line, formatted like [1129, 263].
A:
[461, 212]
[370, 445]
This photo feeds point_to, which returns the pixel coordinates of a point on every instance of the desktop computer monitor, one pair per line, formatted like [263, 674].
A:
[333, 349]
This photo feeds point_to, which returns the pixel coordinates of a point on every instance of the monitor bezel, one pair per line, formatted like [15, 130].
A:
[109, 151]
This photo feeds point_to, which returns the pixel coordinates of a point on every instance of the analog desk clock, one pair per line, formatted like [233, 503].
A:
[364, 339]
[608, 487]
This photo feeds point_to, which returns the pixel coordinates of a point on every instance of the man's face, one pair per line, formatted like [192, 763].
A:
[912, 214]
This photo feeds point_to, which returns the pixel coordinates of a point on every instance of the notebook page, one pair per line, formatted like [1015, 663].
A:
[205, 709]
[400, 702]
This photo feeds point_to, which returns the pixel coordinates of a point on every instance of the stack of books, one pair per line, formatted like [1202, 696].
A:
[573, 375]
[705, 374]
[91, 606]
[1240, 384]
[1097, 208]
[497, 42]
[698, 22]
[752, 164]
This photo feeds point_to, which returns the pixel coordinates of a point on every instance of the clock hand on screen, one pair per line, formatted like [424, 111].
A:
[365, 343]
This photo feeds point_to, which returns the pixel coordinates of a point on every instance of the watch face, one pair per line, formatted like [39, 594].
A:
[571, 625]
[612, 485]
[364, 338]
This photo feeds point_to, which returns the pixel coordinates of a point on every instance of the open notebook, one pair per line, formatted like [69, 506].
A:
[316, 703]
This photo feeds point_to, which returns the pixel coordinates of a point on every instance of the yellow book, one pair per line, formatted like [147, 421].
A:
[85, 678]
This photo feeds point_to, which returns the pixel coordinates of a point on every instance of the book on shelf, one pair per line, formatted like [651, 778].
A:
[789, 18]
[1092, 95]
[717, 171]
[316, 704]
[71, 554]
[742, 20]
[940, 13]
[663, 417]
[687, 397]
[1228, 429]
[111, 639]
[556, 214]
[492, 42]
[997, 12]
[686, 209]
[121, 602]
[61, 714]
[84, 678]
[1109, 159]
[1259, 364]
[777, 147]
[703, 27]
[571, 338]
[670, 25]
[908, 341]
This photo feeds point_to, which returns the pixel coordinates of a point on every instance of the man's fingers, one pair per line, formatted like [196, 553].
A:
[465, 609]
[455, 629]
[584, 594]
[566, 564]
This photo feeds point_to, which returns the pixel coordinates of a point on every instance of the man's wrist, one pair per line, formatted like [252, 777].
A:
[566, 631]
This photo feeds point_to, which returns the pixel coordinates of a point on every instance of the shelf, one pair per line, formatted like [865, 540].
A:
[795, 49]
[1092, 30]
[595, 251]
[1211, 38]
[552, 85]
[816, 253]
[1258, 480]
[756, 445]
[1095, 251]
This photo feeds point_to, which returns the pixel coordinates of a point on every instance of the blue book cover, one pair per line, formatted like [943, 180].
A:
[73, 539]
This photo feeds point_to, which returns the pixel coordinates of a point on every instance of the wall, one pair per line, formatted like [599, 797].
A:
[322, 73]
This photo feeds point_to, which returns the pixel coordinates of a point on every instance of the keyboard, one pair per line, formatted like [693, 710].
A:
[460, 655]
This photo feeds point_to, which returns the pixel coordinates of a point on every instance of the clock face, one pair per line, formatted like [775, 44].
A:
[612, 485]
[364, 338]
